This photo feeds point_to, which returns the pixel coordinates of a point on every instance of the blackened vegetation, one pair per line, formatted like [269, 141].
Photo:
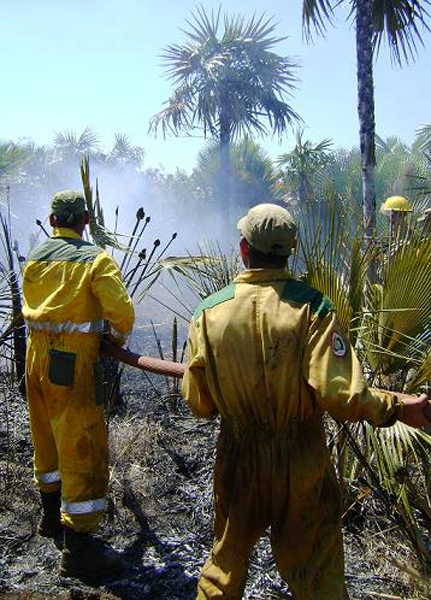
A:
[160, 511]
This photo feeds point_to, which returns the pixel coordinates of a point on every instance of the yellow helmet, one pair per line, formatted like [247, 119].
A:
[397, 203]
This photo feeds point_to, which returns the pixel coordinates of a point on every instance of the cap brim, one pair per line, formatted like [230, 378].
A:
[241, 223]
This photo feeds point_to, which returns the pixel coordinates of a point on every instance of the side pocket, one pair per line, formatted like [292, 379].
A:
[61, 367]
[99, 383]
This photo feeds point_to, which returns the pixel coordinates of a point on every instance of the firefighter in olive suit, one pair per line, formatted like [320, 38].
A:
[267, 354]
[72, 296]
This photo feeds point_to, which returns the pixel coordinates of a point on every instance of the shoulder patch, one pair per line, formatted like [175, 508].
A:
[298, 291]
[223, 295]
[338, 345]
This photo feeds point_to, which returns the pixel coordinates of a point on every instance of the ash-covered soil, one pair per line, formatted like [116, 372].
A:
[160, 511]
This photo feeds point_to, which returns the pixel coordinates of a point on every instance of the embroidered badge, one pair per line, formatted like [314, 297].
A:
[339, 347]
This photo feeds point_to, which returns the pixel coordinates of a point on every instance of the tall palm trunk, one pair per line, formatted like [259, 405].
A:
[364, 57]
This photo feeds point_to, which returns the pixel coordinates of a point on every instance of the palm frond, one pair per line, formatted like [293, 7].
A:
[401, 22]
[68, 143]
[424, 133]
[399, 326]
[330, 245]
[205, 273]
[419, 378]
[393, 451]
[314, 15]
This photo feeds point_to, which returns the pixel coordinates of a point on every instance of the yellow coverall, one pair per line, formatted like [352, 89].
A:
[71, 289]
[268, 355]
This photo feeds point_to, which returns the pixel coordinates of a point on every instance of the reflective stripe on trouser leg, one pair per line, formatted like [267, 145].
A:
[83, 516]
[81, 508]
[48, 482]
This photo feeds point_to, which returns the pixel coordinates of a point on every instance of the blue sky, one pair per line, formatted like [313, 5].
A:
[72, 64]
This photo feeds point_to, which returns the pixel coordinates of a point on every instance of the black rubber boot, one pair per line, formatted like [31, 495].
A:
[50, 524]
[88, 558]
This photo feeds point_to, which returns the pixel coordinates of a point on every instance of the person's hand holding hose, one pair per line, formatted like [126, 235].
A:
[416, 410]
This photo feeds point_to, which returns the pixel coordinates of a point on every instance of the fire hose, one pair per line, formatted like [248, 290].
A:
[168, 368]
[144, 363]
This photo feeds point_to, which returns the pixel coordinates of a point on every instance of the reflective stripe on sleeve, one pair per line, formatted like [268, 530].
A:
[96, 326]
[50, 477]
[81, 508]
[122, 337]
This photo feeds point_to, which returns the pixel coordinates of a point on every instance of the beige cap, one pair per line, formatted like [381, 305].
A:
[269, 228]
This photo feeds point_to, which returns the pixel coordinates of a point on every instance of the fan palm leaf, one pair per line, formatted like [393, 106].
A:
[393, 450]
[399, 324]
[397, 20]
[419, 379]
[330, 243]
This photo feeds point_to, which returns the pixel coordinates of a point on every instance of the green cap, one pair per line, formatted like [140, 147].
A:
[68, 202]
[269, 228]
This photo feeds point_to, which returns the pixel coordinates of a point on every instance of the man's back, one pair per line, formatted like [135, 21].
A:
[255, 333]
[57, 280]
[70, 282]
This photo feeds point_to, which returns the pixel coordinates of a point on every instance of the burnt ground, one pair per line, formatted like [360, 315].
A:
[160, 512]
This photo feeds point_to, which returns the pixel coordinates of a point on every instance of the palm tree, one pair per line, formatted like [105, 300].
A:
[125, 153]
[393, 163]
[302, 163]
[343, 173]
[252, 175]
[68, 145]
[399, 20]
[226, 85]
[255, 178]
[13, 157]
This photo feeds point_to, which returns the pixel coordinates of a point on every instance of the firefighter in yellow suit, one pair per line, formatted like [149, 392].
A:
[267, 354]
[72, 296]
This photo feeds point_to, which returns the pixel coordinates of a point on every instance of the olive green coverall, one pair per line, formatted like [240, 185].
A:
[268, 355]
[71, 290]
